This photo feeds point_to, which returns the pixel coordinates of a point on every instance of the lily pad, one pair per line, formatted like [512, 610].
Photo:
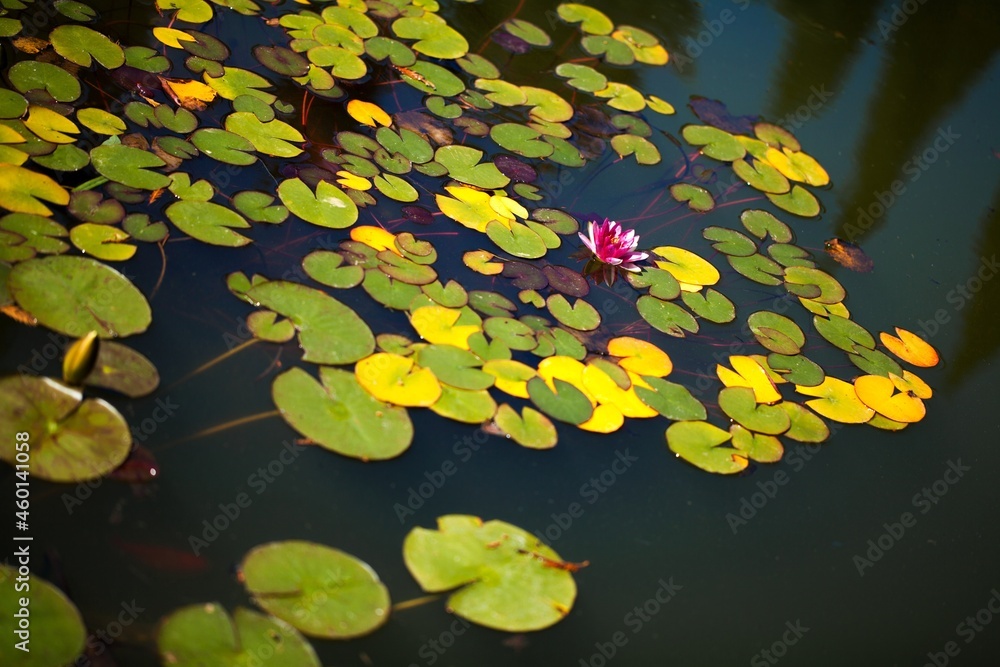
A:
[530, 429]
[715, 143]
[72, 439]
[329, 331]
[673, 401]
[326, 267]
[666, 316]
[319, 590]
[762, 223]
[465, 405]
[740, 404]
[711, 305]
[758, 268]
[435, 38]
[565, 403]
[518, 239]
[796, 369]
[463, 164]
[57, 630]
[509, 580]
[643, 149]
[699, 443]
[730, 241]
[327, 207]
[580, 315]
[22, 189]
[122, 369]
[806, 426]
[74, 295]
[776, 332]
[28, 75]
[398, 380]
[340, 415]
[208, 222]
[843, 333]
[129, 166]
[798, 201]
[205, 634]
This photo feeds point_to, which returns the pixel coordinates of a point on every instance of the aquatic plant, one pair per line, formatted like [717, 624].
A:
[379, 111]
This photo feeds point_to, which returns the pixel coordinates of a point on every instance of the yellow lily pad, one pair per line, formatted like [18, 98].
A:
[838, 401]
[437, 324]
[396, 379]
[640, 356]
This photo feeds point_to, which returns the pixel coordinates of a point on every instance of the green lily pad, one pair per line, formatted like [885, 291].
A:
[329, 331]
[874, 362]
[81, 45]
[776, 332]
[66, 157]
[740, 405]
[57, 630]
[757, 268]
[129, 166]
[340, 415]
[146, 59]
[761, 176]
[673, 401]
[491, 304]
[321, 591]
[830, 291]
[643, 149]
[72, 439]
[327, 207]
[666, 316]
[621, 96]
[464, 405]
[699, 443]
[74, 295]
[519, 240]
[757, 446]
[463, 164]
[265, 325]
[75, 10]
[404, 269]
[399, 54]
[788, 254]
[325, 267]
[122, 369]
[558, 221]
[435, 38]
[28, 75]
[452, 295]
[580, 316]
[661, 283]
[512, 333]
[236, 82]
[711, 305]
[798, 201]
[806, 425]
[102, 241]
[730, 241]
[843, 333]
[224, 146]
[776, 136]
[797, 369]
[257, 206]
[280, 60]
[140, 228]
[389, 292]
[530, 429]
[521, 139]
[455, 367]
[592, 21]
[762, 223]
[505, 576]
[407, 142]
[478, 66]
[205, 634]
[208, 222]
[697, 198]
[582, 77]
[396, 188]
[527, 31]
[715, 143]
[271, 138]
[566, 403]
[614, 51]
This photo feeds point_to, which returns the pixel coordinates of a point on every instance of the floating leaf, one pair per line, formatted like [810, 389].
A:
[397, 380]
[224, 146]
[879, 393]
[518, 239]
[520, 139]
[329, 331]
[740, 404]
[340, 415]
[327, 207]
[715, 143]
[645, 151]
[748, 372]
[758, 268]
[796, 369]
[455, 367]
[463, 165]
[74, 295]
[697, 198]
[758, 447]
[580, 316]
[129, 166]
[437, 325]
[322, 591]
[81, 45]
[699, 443]
[843, 333]
[57, 631]
[711, 305]
[368, 113]
[910, 348]
[606, 391]
[72, 439]
[21, 189]
[28, 75]
[838, 401]
[761, 224]
[798, 201]
[666, 316]
[435, 37]
[690, 270]
[208, 222]
[205, 633]
[582, 77]
[325, 267]
[122, 369]
[730, 241]
[509, 580]
[464, 405]
[102, 241]
[592, 21]
[271, 138]
[562, 401]
[673, 401]
[776, 332]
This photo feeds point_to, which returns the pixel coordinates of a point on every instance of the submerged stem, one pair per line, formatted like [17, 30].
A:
[212, 362]
[415, 602]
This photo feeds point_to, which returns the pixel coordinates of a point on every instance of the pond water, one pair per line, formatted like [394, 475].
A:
[812, 559]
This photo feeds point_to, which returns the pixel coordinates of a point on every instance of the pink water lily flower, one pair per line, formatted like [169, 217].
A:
[613, 245]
